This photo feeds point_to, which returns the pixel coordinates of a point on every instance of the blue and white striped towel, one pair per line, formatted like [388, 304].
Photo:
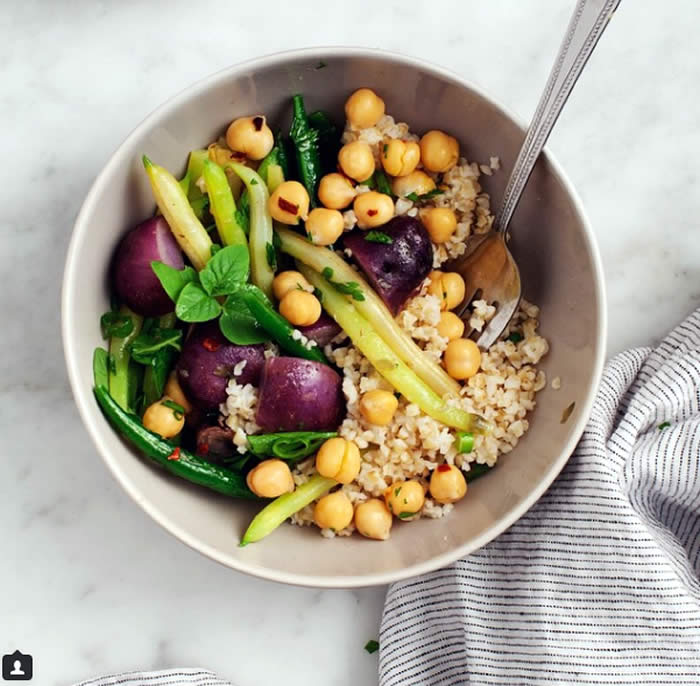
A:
[597, 584]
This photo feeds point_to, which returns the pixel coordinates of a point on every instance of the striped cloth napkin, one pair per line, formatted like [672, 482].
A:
[598, 583]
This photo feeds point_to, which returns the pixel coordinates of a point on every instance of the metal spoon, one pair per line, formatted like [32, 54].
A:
[487, 267]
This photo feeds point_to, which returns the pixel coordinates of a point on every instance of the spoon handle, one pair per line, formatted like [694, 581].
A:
[585, 29]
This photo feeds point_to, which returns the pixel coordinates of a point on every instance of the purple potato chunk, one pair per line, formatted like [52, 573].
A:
[135, 282]
[207, 362]
[396, 269]
[299, 395]
[215, 443]
[323, 331]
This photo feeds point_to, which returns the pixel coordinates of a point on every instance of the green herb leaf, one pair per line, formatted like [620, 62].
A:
[378, 237]
[406, 515]
[515, 337]
[224, 271]
[116, 325]
[321, 65]
[100, 367]
[253, 182]
[413, 197]
[290, 445]
[664, 425]
[465, 442]
[327, 273]
[475, 471]
[372, 646]
[145, 346]
[351, 288]
[194, 305]
[385, 149]
[271, 254]
[178, 410]
[397, 491]
[238, 324]
[215, 247]
[382, 183]
[173, 280]
[431, 194]
[242, 213]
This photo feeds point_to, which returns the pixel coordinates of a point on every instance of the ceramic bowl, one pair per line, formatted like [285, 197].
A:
[552, 242]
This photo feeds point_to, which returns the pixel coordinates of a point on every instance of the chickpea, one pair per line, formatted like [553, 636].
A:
[325, 226]
[364, 108]
[451, 326]
[373, 209]
[448, 286]
[270, 479]
[404, 498]
[335, 191]
[333, 511]
[447, 484]
[300, 308]
[338, 459]
[356, 160]
[438, 151]
[378, 407]
[289, 203]
[400, 158]
[417, 182]
[289, 281]
[373, 520]
[174, 390]
[163, 420]
[439, 222]
[251, 136]
[462, 358]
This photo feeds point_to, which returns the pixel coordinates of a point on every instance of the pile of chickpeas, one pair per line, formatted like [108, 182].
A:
[339, 459]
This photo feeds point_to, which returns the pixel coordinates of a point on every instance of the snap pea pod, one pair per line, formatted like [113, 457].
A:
[222, 205]
[119, 358]
[288, 445]
[173, 203]
[260, 228]
[387, 362]
[305, 139]
[175, 460]
[272, 515]
[277, 326]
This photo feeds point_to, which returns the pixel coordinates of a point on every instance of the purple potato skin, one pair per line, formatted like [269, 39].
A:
[323, 331]
[397, 269]
[135, 283]
[299, 395]
[215, 443]
[206, 364]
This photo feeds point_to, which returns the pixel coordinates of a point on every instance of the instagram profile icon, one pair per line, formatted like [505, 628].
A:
[17, 667]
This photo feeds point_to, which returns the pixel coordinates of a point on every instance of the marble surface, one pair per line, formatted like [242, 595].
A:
[88, 583]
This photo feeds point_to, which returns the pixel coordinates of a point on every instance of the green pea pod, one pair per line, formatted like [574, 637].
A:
[288, 445]
[260, 237]
[305, 139]
[177, 461]
[272, 515]
[277, 326]
[222, 205]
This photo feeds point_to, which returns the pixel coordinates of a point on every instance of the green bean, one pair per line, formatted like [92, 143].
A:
[222, 205]
[305, 139]
[272, 515]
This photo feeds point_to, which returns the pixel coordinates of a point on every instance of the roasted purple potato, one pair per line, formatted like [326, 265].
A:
[394, 269]
[135, 283]
[299, 395]
[323, 331]
[215, 443]
[207, 362]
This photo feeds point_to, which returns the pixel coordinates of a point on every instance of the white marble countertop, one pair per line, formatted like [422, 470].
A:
[89, 584]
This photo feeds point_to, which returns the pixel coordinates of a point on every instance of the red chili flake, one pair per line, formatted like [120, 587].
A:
[203, 448]
[258, 122]
[211, 345]
[175, 455]
[444, 468]
[287, 206]
[371, 213]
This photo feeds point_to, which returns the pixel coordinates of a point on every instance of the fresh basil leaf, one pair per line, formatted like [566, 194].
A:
[116, 325]
[225, 270]
[194, 305]
[146, 345]
[173, 280]
[238, 324]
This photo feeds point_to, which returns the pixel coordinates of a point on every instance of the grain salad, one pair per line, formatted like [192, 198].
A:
[285, 328]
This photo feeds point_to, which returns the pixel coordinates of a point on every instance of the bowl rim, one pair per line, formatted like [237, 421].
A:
[83, 396]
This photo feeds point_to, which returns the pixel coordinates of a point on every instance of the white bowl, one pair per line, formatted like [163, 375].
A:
[552, 242]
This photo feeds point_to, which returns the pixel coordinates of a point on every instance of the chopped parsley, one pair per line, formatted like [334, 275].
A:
[351, 288]
[253, 182]
[372, 646]
[414, 197]
[397, 491]
[271, 256]
[379, 237]
[406, 515]
[515, 337]
[386, 149]
[178, 410]
[664, 425]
